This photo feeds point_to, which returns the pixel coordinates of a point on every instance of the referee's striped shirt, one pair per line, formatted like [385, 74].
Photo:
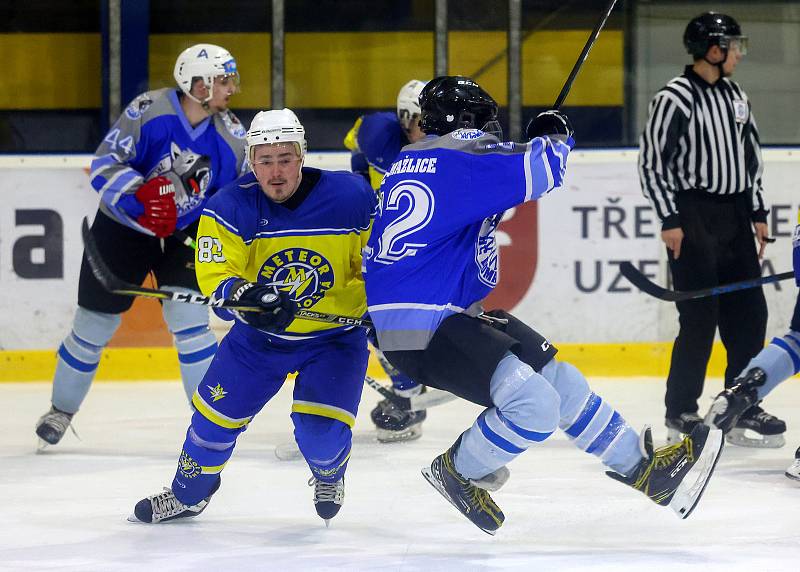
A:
[699, 138]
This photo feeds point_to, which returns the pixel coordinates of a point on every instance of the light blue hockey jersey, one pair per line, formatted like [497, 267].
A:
[433, 252]
[152, 137]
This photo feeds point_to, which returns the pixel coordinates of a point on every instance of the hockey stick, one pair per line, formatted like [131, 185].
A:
[116, 285]
[430, 398]
[644, 284]
[584, 54]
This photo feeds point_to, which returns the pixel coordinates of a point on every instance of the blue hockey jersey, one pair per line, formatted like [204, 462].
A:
[433, 252]
[152, 137]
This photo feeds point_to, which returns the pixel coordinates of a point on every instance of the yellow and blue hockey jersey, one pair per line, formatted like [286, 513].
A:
[309, 246]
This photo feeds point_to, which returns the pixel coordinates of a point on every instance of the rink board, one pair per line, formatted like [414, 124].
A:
[559, 266]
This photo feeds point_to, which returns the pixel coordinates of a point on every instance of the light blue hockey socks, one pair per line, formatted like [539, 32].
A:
[591, 423]
[780, 360]
[79, 356]
[525, 412]
[194, 340]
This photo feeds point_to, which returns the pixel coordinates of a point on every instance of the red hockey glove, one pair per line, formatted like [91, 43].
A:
[158, 199]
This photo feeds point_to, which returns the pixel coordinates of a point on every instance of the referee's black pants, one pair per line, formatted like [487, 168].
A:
[718, 248]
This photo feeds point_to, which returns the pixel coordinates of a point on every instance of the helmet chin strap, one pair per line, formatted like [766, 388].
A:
[203, 102]
[719, 65]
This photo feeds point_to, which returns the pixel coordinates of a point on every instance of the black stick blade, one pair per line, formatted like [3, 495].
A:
[644, 284]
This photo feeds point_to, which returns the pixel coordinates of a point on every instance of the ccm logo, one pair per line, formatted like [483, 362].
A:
[677, 469]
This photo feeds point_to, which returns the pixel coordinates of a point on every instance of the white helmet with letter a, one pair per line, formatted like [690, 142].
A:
[204, 61]
[276, 126]
[408, 102]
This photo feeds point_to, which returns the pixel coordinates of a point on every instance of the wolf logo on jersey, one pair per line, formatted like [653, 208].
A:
[303, 273]
[486, 251]
[191, 174]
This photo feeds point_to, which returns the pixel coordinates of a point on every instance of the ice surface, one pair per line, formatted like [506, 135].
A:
[66, 509]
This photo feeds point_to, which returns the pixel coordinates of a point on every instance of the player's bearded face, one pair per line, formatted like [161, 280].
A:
[278, 170]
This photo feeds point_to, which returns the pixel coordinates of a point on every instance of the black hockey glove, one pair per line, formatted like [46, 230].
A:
[551, 123]
[279, 308]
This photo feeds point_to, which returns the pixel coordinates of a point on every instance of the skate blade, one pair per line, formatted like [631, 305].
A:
[434, 482]
[691, 488]
[41, 446]
[132, 518]
[410, 434]
[741, 438]
[288, 452]
[793, 472]
[327, 522]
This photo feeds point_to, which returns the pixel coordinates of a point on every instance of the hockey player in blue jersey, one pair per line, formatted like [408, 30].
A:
[166, 154]
[773, 365]
[432, 258]
[281, 237]
[375, 140]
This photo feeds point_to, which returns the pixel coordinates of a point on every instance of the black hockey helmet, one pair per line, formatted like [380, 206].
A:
[453, 102]
[712, 29]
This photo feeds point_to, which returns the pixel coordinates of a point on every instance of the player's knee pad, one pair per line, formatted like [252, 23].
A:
[322, 440]
[181, 317]
[95, 328]
[525, 402]
[91, 332]
[571, 386]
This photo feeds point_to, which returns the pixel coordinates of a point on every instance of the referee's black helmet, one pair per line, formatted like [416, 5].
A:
[711, 29]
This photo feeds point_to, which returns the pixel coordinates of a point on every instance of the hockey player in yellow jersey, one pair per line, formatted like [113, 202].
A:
[282, 237]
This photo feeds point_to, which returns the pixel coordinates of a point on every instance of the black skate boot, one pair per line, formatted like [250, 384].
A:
[793, 472]
[473, 502]
[394, 424]
[679, 426]
[52, 425]
[733, 401]
[328, 498]
[676, 475]
[757, 428]
[163, 507]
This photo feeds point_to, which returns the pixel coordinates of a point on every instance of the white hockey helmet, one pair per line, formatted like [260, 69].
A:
[276, 126]
[205, 61]
[408, 102]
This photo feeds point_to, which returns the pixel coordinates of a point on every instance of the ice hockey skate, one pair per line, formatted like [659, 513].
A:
[52, 425]
[757, 428]
[164, 506]
[676, 475]
[328, 498]
[470, 500]
[395, 425]
[735, 411]
[678, 427]
[793, 472]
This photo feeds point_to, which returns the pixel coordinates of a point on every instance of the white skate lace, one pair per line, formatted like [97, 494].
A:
[327, 492]
[166, 505]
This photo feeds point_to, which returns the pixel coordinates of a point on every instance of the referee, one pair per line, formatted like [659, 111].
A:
[700, 167]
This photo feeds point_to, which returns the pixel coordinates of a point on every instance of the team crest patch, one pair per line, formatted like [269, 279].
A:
[188, 467]
[138, 106]
[486, 256]
[302, 273]
[740, 110]
[466, 134]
